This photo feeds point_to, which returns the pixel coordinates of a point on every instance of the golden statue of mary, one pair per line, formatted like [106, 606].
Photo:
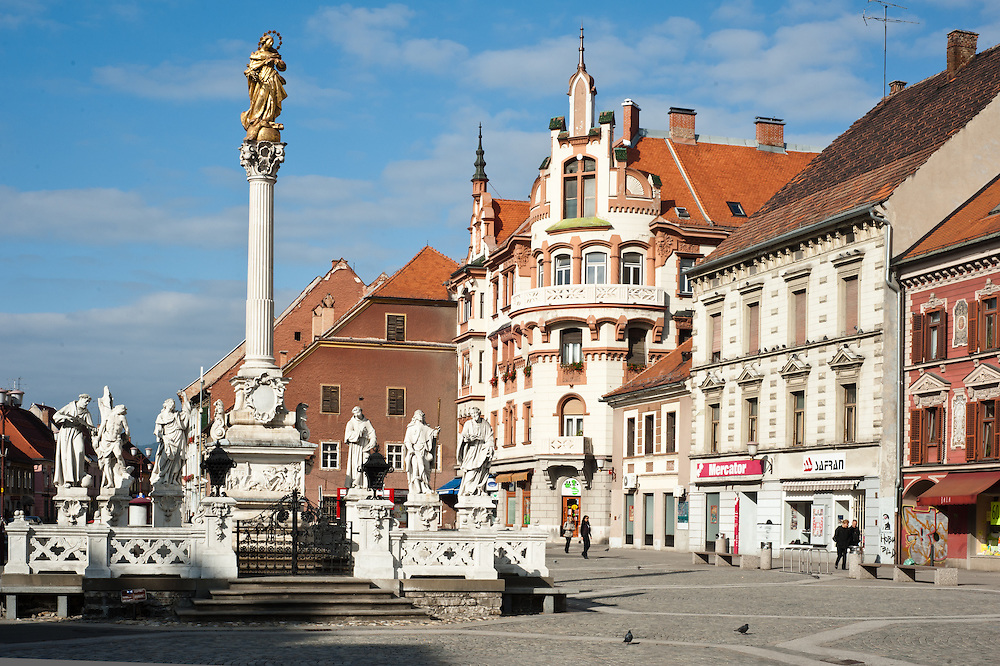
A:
[267, 90]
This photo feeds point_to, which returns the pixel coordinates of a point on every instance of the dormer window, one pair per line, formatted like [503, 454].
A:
[579, 188]
[736, 209]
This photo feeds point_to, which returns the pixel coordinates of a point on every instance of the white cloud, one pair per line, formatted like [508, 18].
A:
[209, 79]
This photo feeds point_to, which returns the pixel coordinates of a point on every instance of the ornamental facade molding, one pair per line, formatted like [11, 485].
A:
[261, 159]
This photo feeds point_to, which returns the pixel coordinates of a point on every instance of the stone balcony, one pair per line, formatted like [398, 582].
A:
[570, 446]
[583, 294]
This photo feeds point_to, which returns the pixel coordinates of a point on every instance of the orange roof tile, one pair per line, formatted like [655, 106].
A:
[509, 214]
[672, 368]
[423, 277]
[865, 164]
[972, 221]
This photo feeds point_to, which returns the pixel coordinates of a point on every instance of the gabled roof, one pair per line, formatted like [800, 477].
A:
[672, 368]
[716, 173]
[508, 215]
[865, 164]
[973, 221]
[423, 277]
[29, 435]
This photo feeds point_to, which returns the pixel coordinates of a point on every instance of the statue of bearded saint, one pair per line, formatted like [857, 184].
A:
[267, 90]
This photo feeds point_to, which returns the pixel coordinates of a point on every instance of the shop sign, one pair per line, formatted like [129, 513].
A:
[994, 513]
[824, 463]
[571, 488]
[133, 596]
[714, 470]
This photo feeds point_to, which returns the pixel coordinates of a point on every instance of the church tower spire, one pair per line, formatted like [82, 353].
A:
[479, 179]
[582, 92]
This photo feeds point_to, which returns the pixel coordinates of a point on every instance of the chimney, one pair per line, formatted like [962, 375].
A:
[961, 48]
[682, 125]
[631, 120]
[896, 86]
[770, 132]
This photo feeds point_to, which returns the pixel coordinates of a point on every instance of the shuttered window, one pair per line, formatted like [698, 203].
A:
[397, 402]
[753, 328]
[799, 317]
[850, 305]
[330, 399]
[716, 326]
[395, 328]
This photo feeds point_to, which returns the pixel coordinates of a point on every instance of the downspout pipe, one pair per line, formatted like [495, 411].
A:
[893, 283]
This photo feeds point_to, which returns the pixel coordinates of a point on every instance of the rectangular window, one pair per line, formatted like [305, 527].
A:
[394, 455]
[330, 455]
[496, 297]
[571, 346]
[798, 400]
[927, 428]
[988, 308]
[397, 402]
[632, 268]
[850, 393]
[330, 399]
[850, 316]
[753, 328]
[527, 423]
[630, 436]
[648, 433]
[928, 338]
[395, 328]
[482, 305]
[715, 414]
[570, 197]
[670, 433]
[597, 268]
[715, 326]
[988, 430]
[798, 312]
[562, 269]
[683, 281]
[466, 370]
[589, 196]
[636, 347]
[511, 507]
[481, 367]
[572, 426]
[751, 407]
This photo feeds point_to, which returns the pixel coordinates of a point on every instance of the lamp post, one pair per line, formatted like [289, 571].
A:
[218, 465]
[3, 456]
[375, 469]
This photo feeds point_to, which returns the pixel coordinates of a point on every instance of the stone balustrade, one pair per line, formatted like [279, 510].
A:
[478, 555]
[571, 294]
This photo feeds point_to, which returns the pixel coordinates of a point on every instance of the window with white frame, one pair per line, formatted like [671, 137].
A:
[394, 455]
[571, 345]
[561, 268]
[579, 188]
[596, 268]
[329, 455]
[632, 268]
[684, 264]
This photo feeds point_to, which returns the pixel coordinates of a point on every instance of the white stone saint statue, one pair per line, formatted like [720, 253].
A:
[112, 436]
[75, 424]
[475, 453]
[171, 430]
[359, 435]
[418, 452]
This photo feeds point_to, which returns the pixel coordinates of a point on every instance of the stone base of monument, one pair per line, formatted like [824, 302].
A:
[270, 463]
[72, 503]
[476, 512]
[371, 521]
[423, 512]
[218, 559]
[112, 507]
[167, 506]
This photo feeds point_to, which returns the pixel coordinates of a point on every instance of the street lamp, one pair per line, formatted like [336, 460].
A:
[218, 465]
[375, 469]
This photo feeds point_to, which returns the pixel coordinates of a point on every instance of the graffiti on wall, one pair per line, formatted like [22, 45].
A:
[925, 535]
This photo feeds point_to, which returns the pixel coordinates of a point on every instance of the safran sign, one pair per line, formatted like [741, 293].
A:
[714, 470]
[823, 464]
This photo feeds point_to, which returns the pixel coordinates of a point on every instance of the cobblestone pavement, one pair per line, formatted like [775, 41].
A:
[679, 613]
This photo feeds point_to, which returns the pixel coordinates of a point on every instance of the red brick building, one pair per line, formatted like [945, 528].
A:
[30, 460]
[951, 470]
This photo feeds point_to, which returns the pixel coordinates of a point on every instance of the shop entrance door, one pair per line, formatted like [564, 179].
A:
[711, 520]
[647, 518]
[571, 511]
[668, 520]
[749, 544]
[630, 518]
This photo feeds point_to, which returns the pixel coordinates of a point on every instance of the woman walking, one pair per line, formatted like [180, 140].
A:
[585, 535]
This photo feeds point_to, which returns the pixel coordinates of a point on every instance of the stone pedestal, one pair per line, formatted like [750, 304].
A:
[476, 512]
[371, 520]
[218, 559]
[167, 502]
[423, 512]
[72, 503]
[112, 508]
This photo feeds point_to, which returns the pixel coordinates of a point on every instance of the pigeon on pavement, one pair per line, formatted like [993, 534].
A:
[744, 629]
[628, 637]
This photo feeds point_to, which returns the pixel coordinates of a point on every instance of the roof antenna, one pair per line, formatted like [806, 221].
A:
[885, 20]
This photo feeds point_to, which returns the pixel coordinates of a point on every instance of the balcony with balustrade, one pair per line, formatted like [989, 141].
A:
[588, 294]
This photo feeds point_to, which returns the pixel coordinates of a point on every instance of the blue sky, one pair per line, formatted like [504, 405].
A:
[123, 205]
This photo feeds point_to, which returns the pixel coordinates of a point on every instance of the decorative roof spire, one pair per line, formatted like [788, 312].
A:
[581, 65]
[480, 159]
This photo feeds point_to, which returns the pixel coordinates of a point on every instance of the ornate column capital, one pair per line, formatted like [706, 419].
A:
[261, 159]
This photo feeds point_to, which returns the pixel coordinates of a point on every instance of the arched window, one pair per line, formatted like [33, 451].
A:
[561, 269]
[571, 421]
[579, 188]
[596, 268]
[540, 273]
[571, 346]
[632, 268]
[636, 347]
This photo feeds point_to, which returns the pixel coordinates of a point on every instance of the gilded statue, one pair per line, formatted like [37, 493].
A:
[267, 90]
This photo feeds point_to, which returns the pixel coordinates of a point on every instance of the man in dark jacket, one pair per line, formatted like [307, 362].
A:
[843, 537]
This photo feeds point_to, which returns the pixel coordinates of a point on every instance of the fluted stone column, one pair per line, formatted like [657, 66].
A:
[261, 159]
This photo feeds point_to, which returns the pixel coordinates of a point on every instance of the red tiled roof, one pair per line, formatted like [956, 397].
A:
[509, 214]
[971, 221]
[719, 173]
[423, 277]
[672, 368]
[865, 164]
[29, 435]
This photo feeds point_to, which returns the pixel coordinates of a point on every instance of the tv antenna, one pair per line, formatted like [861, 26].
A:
[885, 20]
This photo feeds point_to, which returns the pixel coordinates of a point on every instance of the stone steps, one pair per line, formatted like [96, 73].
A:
[301, 598]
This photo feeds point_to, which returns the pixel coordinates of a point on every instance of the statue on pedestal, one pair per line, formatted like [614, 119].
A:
[267, 90]
[359, 435]
[112, 435]
[75, 424]
[418, 452]
[475, 453]
[171, 430]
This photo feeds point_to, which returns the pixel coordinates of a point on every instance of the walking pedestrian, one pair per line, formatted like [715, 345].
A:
[568, 528]
[585, 535]
[855, 536]
[842, 536]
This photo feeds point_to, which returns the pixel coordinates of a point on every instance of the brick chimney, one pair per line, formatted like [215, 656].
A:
[770, 132]
[896, 86]
[631, 121]
[961, 48]
[682, 125]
